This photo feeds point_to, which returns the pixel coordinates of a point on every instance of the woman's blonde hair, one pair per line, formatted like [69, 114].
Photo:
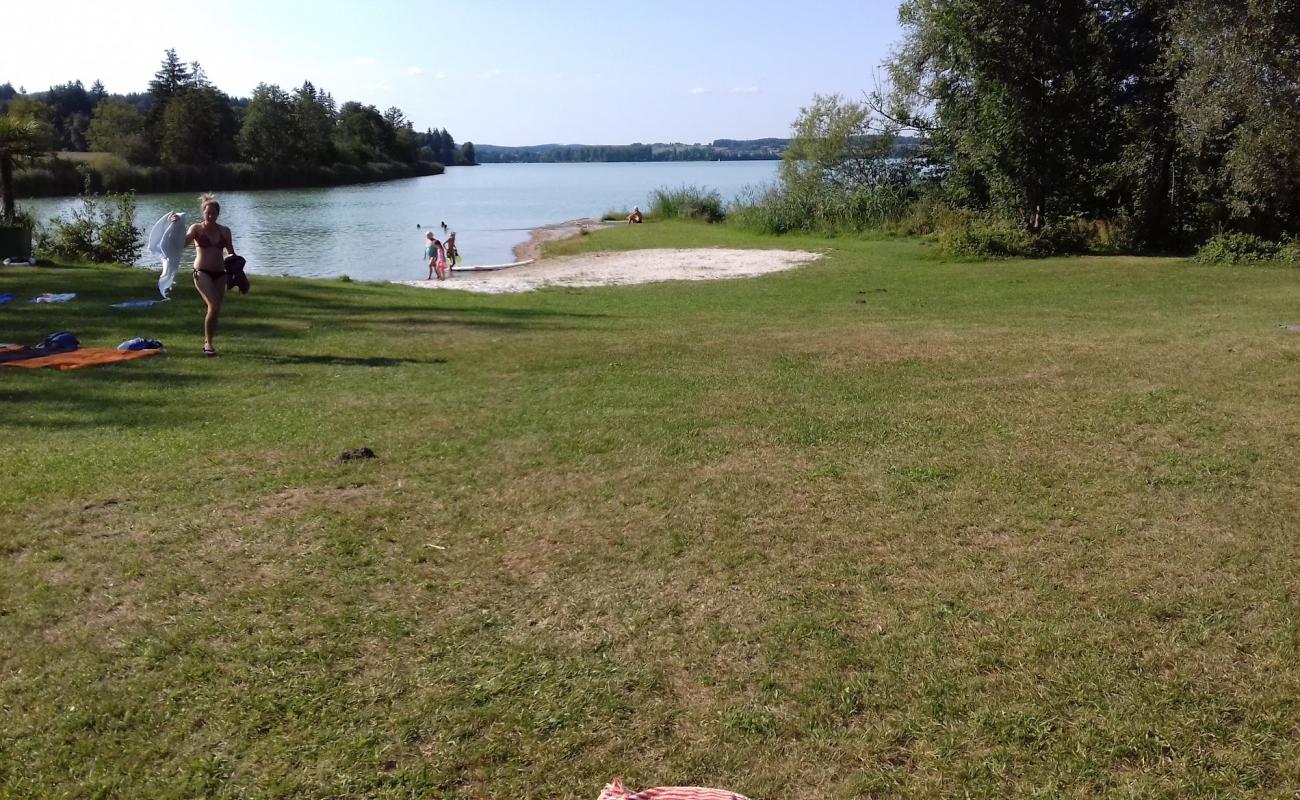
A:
[208, 199]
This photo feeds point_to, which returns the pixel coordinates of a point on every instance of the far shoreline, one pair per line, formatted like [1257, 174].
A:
[60, 178]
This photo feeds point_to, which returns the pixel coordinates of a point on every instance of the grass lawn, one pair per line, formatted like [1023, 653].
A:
[884, 526]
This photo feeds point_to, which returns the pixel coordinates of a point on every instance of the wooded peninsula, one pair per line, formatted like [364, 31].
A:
[185, 134]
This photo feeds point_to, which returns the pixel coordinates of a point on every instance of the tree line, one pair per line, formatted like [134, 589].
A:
[183, 120]
[718, 150]
[1046, 126]
[1176, 119]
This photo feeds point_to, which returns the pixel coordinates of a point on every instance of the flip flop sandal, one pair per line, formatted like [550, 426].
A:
[208, 350]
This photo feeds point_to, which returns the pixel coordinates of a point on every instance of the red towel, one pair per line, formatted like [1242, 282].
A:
[81, 357]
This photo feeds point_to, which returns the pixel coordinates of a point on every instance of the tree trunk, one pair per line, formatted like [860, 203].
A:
[6, 188]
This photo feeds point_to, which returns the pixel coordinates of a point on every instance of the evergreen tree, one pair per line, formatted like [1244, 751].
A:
[171, 79]
[70, 107]
[313, 125]
[446, 148]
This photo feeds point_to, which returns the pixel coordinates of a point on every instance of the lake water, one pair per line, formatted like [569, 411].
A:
[369, 232]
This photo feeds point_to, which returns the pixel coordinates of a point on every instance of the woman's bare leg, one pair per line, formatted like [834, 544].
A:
[213, 290]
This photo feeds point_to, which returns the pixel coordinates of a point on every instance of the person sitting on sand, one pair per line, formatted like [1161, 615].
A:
[635, 216]
[436, 256]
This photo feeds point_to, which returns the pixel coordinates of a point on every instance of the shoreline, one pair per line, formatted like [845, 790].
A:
[531, 250]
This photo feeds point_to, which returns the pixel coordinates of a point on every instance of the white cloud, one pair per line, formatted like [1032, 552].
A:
[366, 61]
[745, 90]
[698, 90]
[493, 73]
[414, 72]
[440, 75]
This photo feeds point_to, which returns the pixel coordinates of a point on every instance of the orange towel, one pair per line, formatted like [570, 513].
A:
[83, 357]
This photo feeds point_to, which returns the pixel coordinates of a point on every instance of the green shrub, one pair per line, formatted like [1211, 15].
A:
[686, 202]
[1289, 254]
[989, 237]
[931, 214]
[766, 211]
[101, 230]
[819, 208]
[613, 215]
[1238, 248]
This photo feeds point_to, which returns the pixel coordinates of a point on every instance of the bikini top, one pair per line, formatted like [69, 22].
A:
[203, 240]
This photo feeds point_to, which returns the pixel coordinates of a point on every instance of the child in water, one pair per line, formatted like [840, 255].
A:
[452, 253]
[436, 256]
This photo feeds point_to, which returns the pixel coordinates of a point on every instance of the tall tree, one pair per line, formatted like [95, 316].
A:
[446, 147]
[70, 106]
[268, 136]
[836, 148]
[191, 126]
[171, 79]
[1237, 103]
[1026, 132]
[313, 124]
[362, 134]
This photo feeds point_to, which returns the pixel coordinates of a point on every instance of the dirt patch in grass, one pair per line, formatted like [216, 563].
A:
[302, 500]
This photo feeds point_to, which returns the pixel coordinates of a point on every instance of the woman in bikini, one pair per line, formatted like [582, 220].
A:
[210, 239]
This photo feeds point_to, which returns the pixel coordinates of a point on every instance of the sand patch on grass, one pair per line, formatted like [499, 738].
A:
[624, 268]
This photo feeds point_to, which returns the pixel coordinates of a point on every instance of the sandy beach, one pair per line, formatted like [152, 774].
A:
[613, 268]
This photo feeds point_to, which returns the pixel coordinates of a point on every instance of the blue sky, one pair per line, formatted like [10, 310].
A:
[509, 73]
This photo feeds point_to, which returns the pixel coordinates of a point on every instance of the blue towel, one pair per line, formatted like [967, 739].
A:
[140, 343]
[136, 303]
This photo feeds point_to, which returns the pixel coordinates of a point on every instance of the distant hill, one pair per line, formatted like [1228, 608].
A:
[718, 150]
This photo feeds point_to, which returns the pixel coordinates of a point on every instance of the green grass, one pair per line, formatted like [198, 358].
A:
[885, 526]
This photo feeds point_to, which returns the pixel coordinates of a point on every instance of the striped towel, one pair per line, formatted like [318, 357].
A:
[615, 791]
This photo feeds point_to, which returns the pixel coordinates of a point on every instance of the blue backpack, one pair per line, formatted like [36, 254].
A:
[60, 342]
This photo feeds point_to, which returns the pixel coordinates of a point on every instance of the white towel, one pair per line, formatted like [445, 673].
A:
[167, 240]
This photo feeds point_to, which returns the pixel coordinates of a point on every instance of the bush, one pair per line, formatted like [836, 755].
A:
[929, 215]
[767, 211]
[102, 231]
[820, 208]
[687, 202]
[1239, 248]
[989, 237]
